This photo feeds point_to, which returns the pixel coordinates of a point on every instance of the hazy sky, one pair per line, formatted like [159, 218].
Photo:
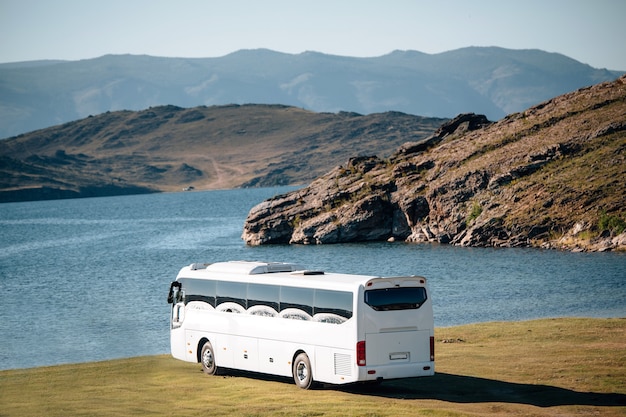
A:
[590, 31]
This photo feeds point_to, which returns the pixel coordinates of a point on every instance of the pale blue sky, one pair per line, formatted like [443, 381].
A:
[590, 31]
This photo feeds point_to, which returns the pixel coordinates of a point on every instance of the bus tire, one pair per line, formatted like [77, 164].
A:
[207, 359]
[302, 373]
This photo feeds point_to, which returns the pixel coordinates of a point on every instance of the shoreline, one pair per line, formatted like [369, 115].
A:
[437, 328]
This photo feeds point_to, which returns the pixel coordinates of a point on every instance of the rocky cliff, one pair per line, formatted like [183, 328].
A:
[550, 176]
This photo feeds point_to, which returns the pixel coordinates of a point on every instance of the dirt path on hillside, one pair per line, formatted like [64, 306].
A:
[225, 175]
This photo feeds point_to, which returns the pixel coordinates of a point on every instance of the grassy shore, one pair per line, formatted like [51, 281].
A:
[549, 367]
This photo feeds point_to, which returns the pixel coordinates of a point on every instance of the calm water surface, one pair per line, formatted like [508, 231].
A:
[87, 279]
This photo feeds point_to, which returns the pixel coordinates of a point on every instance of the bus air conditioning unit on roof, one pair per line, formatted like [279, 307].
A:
[272, 267]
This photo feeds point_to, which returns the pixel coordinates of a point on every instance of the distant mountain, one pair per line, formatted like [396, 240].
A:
[169, 148]
[491, 81]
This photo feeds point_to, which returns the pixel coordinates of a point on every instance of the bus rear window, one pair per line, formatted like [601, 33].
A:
[397, 298]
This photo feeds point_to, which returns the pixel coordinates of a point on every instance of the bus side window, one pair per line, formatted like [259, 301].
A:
[333, 302]
[198, 290]
[263, 295]
[231, 292]
[298, 298]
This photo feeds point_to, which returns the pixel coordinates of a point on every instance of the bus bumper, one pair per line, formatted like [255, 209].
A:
[373, 373]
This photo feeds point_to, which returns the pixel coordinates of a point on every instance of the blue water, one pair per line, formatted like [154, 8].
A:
[87, 279]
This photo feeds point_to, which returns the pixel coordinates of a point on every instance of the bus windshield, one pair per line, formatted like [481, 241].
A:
[397, 298]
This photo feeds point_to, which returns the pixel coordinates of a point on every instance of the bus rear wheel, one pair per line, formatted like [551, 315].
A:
[207, 358]
[302, 374]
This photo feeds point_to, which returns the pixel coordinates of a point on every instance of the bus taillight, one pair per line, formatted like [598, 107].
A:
[360, 353]
[432, 348]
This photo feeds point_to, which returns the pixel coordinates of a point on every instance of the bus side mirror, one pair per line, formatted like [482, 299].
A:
[172, 296]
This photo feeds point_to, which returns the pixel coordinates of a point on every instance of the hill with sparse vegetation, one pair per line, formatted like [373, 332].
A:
[170, 148]
[550, 176]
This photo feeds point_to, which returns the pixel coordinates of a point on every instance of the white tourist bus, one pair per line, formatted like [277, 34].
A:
[278, 318]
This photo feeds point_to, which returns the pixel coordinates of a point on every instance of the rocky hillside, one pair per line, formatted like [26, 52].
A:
[169, 148]
[550, 176]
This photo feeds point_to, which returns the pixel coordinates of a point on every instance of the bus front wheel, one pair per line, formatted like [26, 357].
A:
[302, 374]
[207, 358]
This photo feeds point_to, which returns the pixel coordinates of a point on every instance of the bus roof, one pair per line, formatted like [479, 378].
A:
[278, 273]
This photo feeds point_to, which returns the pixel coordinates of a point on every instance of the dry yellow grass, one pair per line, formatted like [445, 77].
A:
[553, 367]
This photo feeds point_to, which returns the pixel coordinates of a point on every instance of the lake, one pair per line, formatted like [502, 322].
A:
[87, 279]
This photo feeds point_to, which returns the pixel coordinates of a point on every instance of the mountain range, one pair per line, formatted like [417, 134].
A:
[486, 80]
[550, 175]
